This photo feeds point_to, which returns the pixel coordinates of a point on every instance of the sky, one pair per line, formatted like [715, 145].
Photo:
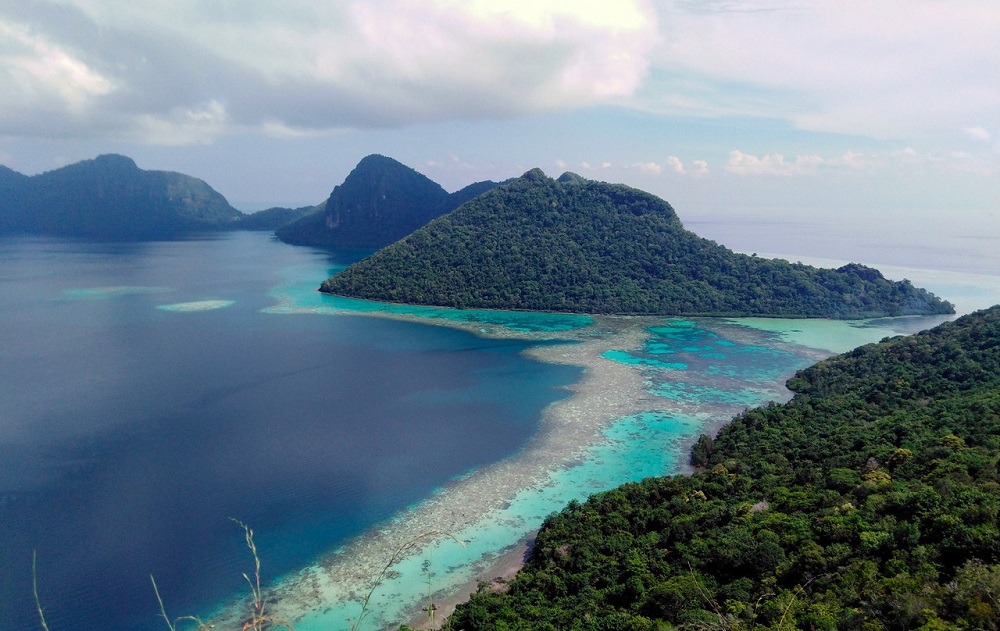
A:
[780, 109]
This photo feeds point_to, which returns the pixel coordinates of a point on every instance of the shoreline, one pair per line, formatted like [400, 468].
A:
[323, 595]
[504, 568]
[606, 391]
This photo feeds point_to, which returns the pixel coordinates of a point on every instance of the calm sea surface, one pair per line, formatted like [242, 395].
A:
[149, 392]
[145, 399]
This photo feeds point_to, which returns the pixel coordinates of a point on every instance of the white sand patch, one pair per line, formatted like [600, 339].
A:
[198, 305]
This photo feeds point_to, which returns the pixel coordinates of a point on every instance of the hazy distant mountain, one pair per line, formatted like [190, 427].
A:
[380, 201]
[109, 197]
[277, 217]
[576, 245]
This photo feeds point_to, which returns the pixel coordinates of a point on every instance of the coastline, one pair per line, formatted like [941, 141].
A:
[473, 507]
[606, 391]
[504, 568]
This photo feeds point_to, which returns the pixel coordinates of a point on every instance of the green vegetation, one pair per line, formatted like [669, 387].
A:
[109, 197]
[575, 245]
[870, 501]
[380, 201]
[277, 217]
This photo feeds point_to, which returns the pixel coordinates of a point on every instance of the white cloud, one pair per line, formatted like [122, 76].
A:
[695, 168]
[647, 167]
[298, 66]
[38, 73]
[906, 160]
[776, 164]
[888, 69]
[199, 125]
[977, 133]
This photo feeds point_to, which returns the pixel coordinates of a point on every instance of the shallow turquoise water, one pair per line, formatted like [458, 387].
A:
[300, 292]
[699, 373]
[631, 449]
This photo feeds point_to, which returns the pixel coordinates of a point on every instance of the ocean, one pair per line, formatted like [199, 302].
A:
[151, 392]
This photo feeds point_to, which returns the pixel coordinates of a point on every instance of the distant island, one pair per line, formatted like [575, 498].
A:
[380, 201]
[575, 245]
[869, 501]
[110, 197]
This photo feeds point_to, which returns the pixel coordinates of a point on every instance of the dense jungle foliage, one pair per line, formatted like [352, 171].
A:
[575, 245]
[869, 501]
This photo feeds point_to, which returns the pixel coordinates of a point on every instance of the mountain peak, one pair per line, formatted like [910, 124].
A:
[115, 160]
[535, 175]
[571, 178]
[380, 201]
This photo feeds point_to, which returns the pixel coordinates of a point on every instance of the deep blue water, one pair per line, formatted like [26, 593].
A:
[130, 434]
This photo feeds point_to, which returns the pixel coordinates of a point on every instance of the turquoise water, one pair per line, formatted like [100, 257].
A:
[631, 449]
[299, 292]
[698, 374]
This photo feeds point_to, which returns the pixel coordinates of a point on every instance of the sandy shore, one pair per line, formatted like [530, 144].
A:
[494, 576]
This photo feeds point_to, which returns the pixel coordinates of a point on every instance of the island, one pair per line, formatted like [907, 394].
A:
[581, 246]
[111, 198]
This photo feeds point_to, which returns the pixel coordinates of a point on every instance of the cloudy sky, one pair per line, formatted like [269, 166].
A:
[888, 107]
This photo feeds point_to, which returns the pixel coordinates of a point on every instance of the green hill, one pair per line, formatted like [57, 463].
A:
[575, 245]
[380, 201]
[109, 197]
[870, 501]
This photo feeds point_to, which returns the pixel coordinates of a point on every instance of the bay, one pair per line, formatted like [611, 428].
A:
[146, 398]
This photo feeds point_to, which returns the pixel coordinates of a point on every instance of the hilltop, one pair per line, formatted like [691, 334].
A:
[575, 245]
[110, 197]
[869, 501]
[380, 201]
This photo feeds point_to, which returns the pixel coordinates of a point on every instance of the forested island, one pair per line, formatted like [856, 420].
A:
[110, 197]
[575, 245]
[871, 500]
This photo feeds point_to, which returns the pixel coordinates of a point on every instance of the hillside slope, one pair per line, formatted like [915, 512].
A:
[870, 501]
[575, 245]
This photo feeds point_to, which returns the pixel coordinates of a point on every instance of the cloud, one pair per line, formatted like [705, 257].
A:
[890, 69]
[775, 164]
[299, 67]
[977, 133]
[696, 168]
[39, 75]
[906, 160]
[647, 167]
